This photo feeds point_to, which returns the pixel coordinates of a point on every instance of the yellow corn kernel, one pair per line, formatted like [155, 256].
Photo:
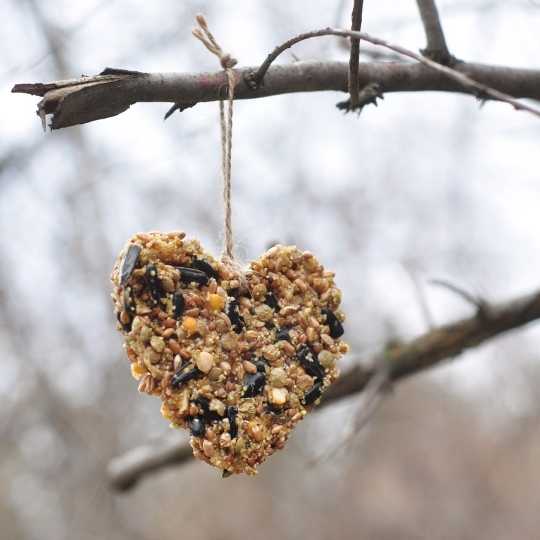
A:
[137, 370]
[216, 302]
[189, 324]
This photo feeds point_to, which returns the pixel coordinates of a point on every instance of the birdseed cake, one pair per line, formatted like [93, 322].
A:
[237, 358]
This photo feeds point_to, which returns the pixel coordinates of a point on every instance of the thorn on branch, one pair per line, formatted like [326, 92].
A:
[180, 107]
[367, 96]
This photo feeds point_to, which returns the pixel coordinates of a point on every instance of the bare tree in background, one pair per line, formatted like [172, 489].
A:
[86, 99]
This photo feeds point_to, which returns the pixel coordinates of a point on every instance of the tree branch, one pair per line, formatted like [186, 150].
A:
[403, 360]
[354, 60]
[436, 48]
[93, 98]
[481, 91]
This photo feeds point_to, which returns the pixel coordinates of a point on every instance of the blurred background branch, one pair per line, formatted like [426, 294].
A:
[401, 359]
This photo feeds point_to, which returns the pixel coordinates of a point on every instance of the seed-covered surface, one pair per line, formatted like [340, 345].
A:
[236, 360]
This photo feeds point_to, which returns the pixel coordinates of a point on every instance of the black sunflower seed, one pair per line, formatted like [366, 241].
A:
[233, 312]
[310, 363]
[232, 413]
[179, 304]
[153, 283]
[283, 334]
[254, 384]
[189, 275]
[129, 263]
[226, 473]
[209, 416]
[203, 403]
[313, 394]
[271, 301]
[182, 376]
[206, 267]
[336, 328]
[125, 327]
[260, 365]
[197, 426]
[274, 409]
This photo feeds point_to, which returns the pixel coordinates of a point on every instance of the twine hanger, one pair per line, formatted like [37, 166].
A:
[226, 122]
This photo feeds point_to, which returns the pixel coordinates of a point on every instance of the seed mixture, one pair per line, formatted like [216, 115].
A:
[238, 359]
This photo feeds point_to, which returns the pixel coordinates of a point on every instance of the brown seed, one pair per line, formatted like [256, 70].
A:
[169, 323]
[168, 284]
[146, 384]
[255, 431]
[183, 402]
[249, 367]
[287, 348]
[174, 346]
[304, 382]
[214, 374]
[288, 310]
[168, 332]
[225, 366]
[311, 334]
[327, 340]
[208, 448]
[301, 285]
[251, 335]
[314, 322]
[225, 440]
[258, 291]
[220, 392]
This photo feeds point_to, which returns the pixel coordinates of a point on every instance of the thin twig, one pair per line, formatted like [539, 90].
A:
[436, 48]
[403, 360]
[354, 60]
[480, 304]
[480, 90]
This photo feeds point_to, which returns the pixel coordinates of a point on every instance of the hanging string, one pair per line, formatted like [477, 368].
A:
[226, 122]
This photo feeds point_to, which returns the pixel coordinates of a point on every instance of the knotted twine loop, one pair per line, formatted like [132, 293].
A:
[227, 62]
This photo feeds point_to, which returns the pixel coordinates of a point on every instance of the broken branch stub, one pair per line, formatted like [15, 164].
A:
[78, 101]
